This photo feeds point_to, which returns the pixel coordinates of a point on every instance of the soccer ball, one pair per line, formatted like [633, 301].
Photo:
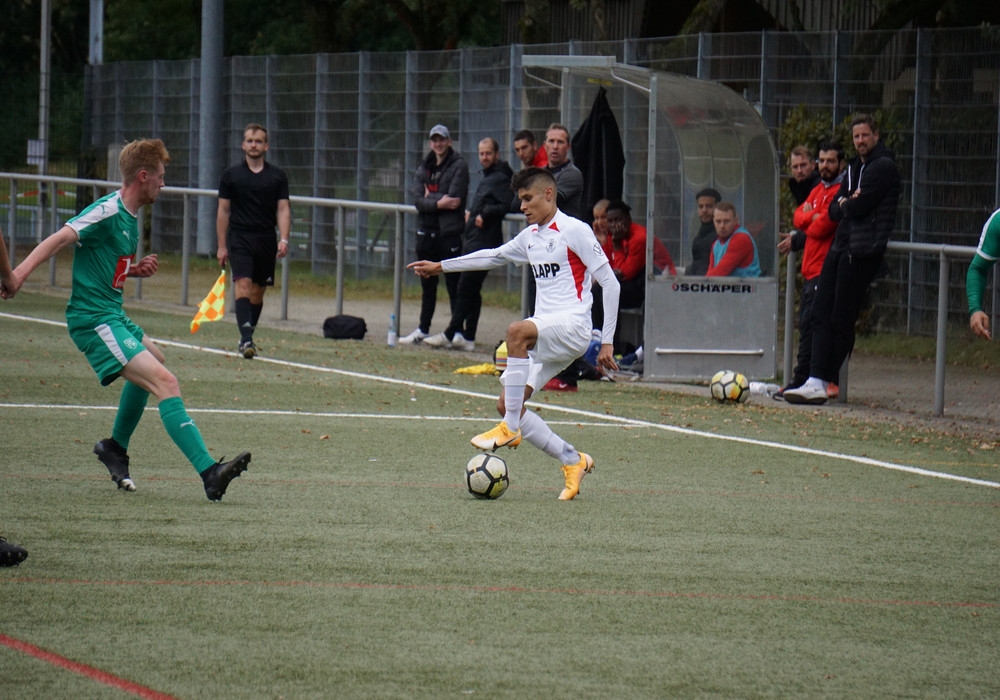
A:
[729, 387]
[486, 476]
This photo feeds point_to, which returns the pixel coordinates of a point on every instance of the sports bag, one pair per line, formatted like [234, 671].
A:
[343, 326]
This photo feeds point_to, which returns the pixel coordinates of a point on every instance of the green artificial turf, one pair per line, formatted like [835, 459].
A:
[349, 562]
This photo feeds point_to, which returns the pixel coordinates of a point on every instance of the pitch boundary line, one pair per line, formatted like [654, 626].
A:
[918, 471]
[291, 413]
[95, 674]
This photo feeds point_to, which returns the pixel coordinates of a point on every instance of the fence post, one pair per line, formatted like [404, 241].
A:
[364, 156]
[397, 273]
[320, 150]
[922, 98]
[12, 222]
[185, 249]
[942, 330]
[789, 317]
[341, 235]
[141, 226]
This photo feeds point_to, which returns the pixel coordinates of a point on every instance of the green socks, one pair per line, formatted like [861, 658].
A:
[130, 409]
[185, 433]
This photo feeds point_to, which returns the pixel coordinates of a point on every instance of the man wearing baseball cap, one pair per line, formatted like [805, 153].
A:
[440, 189]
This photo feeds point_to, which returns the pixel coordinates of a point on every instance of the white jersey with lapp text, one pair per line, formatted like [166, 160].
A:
[562, 256]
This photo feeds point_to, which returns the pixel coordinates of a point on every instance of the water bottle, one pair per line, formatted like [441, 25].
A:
[764, 388]
[391, 340]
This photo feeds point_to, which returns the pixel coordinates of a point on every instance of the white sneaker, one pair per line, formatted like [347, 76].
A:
[414, 338]
[806, 394]
[460, 343]
[438, 340]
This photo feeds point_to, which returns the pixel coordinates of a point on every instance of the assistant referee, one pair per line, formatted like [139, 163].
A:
[253, 200]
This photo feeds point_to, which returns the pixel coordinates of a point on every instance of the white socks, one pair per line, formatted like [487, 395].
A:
[515, 378]
[536, 431]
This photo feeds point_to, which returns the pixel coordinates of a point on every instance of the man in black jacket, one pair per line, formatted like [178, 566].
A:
[705, 238]
[483, 230]
[865, 206]
[439, 190]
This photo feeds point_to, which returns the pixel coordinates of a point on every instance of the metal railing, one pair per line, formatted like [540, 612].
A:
[944, 253]
[188, 196]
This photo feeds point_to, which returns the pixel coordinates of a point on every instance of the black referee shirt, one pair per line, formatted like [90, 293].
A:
[253, 197]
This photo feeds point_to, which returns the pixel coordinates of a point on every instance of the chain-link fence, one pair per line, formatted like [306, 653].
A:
[354, 126]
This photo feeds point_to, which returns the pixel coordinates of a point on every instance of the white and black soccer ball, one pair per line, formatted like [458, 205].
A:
[486, 476]
[729, 386]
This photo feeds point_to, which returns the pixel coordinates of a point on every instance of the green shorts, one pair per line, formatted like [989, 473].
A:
[109, 346]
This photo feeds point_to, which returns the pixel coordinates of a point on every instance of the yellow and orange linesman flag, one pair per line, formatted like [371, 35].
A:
[212, 307]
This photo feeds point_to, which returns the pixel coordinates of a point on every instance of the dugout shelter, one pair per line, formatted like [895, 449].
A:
[680, 135]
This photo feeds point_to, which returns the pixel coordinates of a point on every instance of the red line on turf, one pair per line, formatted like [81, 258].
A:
[84, 670]
[695, 595]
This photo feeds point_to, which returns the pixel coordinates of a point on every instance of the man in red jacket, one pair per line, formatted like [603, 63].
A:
[628, 256]
[813, 232]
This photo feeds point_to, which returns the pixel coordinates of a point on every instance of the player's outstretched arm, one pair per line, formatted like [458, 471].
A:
[425, 268]
[43, 251]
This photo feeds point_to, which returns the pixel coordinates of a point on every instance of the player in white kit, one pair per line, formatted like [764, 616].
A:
[565, 258]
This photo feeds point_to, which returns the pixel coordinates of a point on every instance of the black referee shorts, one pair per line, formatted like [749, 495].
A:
[254, 255]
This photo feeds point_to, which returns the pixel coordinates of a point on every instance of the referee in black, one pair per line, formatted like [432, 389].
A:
[253, 200]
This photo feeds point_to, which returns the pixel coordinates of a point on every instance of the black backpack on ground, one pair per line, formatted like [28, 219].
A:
[343, 326]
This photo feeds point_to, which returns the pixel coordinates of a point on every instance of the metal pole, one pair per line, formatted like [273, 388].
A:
[341, 235]
[786, 376]
[43, 121]
[53, 222]
[210, 119]
[96, 52]
[12, 222]
[397, 272]
[186, 250]
[942, 329]
[141, 216]
[285, 279]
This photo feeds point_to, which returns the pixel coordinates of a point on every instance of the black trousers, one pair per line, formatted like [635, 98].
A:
[802, 362]
[840, 295]
[468, 304]
[428, 297]
[432, 246]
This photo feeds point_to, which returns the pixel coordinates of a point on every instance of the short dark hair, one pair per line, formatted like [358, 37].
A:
[619, 205]
[708, 192]
[529, 177]
[830, 145]
[864, 118]
[525, 134]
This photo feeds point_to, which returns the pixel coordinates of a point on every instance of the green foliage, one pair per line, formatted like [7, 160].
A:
[809, 127]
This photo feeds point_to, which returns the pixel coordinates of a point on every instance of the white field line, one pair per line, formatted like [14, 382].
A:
[601, 419]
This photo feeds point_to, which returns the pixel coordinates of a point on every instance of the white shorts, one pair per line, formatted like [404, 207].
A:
[561, 340]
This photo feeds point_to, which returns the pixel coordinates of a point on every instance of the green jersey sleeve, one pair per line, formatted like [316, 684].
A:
[987, 253]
